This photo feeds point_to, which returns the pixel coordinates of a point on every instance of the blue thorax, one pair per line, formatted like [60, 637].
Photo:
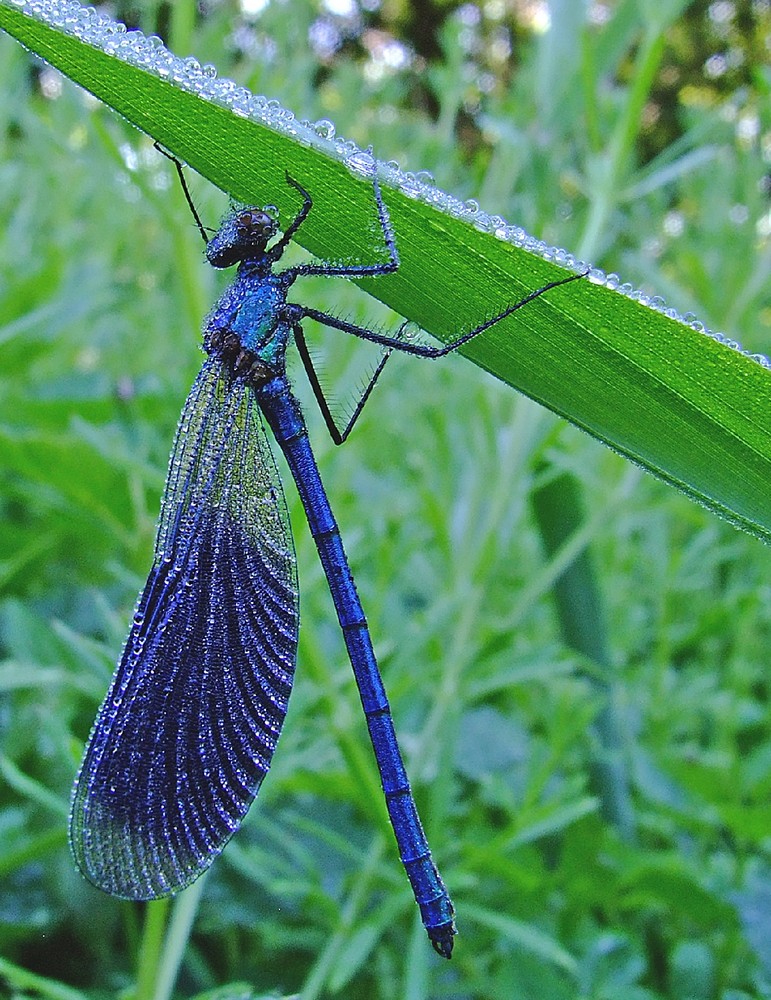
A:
[252, 309]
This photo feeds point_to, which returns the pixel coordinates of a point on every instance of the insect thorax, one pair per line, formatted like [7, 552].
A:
[247, 328]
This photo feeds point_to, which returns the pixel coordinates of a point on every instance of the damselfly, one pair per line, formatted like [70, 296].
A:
[189, 725]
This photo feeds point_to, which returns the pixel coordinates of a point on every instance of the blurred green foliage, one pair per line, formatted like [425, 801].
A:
[518, 739]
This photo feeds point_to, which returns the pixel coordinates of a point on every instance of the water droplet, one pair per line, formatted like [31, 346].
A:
[361, 162]
[409, 185]
[345, 148]
[482, 222]
[324, 128]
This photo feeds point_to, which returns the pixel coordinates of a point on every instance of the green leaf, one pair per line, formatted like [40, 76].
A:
[525, 936]
[669, 883]
[31, 789]
[19, 979]
[554, 820]
[687, 408]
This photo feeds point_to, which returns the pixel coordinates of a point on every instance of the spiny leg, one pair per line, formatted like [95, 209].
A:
[425, 350]
[186, 190]
[277, 250]
[358, 270]
[338, 436]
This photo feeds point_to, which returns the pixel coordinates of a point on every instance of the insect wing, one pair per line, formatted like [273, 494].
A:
[187, 730]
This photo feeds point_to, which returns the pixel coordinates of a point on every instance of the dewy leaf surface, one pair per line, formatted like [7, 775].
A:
[686, 407]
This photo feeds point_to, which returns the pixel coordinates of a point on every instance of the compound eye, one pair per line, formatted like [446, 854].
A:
[254, 224]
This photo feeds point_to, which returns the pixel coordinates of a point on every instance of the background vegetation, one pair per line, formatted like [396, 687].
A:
[590, 752]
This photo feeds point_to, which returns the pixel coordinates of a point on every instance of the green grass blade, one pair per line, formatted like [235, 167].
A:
[685, 407]
[20, 979]
[525, 936]
[558, 508]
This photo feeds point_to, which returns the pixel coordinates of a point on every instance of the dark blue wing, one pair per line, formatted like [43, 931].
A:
[188, 728]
